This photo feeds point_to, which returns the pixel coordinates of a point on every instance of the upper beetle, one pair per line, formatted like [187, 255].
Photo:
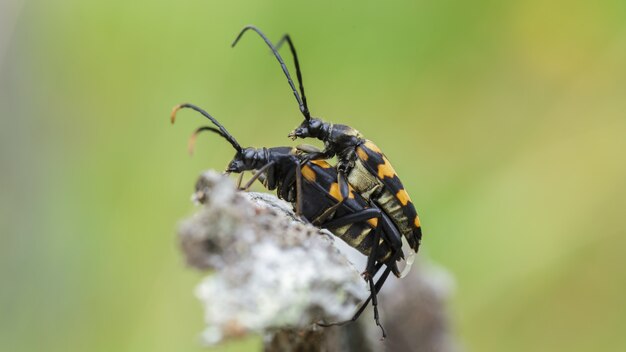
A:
[360, 161]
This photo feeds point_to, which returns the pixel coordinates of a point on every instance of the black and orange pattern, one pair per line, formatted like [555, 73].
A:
[321, 191]
[392, 196]
[361, 200]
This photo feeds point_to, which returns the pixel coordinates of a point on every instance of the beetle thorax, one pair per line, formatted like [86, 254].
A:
[260, 158]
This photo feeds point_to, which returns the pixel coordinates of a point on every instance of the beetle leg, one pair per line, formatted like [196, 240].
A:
[371, 260]
[326, 214]
[369, 273]
[257, 174]
[307, 149]
[374, 296]
[362, 215]
[384, 230]
[344, 186]
[287, 184]
[392, 237]
[298, 190]
[376, 289]
[317, 155]
[239, 180]
[388, 232]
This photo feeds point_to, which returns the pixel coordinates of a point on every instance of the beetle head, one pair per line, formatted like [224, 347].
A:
[244, 160]
[308, 128]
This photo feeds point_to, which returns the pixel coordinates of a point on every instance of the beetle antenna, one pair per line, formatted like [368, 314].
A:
[223, 132]
[191, 144]
[303, 108]
[287, 38]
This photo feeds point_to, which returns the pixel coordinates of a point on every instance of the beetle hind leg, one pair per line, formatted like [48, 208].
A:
[371, 268]
[376, 289]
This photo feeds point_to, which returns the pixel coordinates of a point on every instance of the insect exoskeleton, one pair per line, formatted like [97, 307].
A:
[321, 197]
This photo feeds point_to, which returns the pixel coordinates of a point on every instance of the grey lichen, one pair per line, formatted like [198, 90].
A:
[271, 270]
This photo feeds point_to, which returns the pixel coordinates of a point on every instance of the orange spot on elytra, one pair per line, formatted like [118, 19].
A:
[362, 154]
[321, 163]
[308, 173]
[417, 221]
[403, 197]
[335, 192]
[385, 169]
[371, 146]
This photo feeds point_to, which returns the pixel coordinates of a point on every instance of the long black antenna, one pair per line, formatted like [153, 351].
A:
[223, 130]
[303, 108]
[192, 139]
[287, 38]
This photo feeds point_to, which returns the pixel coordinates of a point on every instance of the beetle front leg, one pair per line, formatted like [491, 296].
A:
[307, 149]
[239, 180]
[309, 152]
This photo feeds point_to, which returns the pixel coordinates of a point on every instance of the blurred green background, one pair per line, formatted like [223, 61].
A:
[505, 120]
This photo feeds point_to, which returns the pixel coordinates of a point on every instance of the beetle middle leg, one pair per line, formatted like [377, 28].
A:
[298, 190]
[256, 175]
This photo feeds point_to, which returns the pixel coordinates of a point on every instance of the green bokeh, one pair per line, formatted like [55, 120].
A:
[506, 121]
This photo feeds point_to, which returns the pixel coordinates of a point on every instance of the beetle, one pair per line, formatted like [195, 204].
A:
[321, 197]
[360, 162]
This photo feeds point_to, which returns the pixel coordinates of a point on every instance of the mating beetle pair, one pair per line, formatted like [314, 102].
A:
[361, 200]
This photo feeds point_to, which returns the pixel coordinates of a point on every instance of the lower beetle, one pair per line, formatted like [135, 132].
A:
[322, 198]
[360, 162]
